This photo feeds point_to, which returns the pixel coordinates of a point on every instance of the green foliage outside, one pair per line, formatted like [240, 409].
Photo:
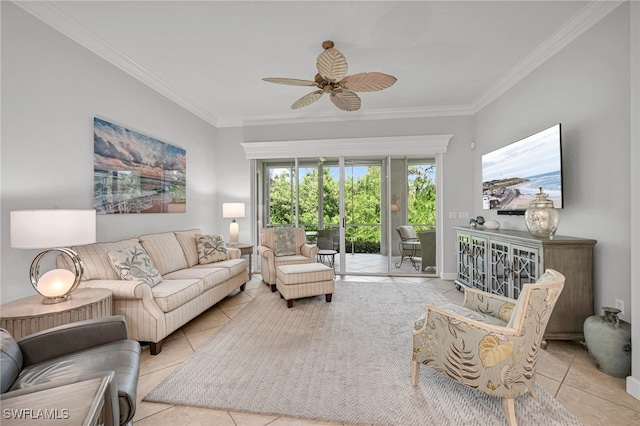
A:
[422, 197]
[362, 203]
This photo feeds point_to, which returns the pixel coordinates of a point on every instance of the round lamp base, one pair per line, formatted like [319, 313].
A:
[57, 299]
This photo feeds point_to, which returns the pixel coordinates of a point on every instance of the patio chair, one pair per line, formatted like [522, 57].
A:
[409, 245]
[328, 245]
[427, 249]
[329, 239]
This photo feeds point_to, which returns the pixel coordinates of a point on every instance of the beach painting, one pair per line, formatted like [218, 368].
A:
[135, 173]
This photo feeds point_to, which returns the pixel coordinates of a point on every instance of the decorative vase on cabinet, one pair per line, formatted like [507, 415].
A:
[609, 342]
[541, 217]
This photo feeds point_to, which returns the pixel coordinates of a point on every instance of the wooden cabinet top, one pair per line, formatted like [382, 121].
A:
[525, 236]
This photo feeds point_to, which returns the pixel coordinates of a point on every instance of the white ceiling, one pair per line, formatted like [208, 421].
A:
[450, 57]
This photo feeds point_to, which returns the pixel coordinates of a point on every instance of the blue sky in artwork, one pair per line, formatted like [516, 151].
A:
[532, 156]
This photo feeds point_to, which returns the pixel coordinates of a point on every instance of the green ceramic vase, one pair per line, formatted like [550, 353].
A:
[609, 342]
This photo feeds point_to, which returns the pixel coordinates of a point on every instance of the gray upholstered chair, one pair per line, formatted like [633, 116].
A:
[409, 245]
[72, 353]
[283, 246]
[329, 239]
[328, 245]
[490, 343]
[427, 249]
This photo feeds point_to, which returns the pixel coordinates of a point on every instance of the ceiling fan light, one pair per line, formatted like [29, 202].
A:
[327, 44]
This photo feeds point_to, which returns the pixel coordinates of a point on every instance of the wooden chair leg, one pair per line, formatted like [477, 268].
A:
[510, 411]
[415, 372]
[155, 348]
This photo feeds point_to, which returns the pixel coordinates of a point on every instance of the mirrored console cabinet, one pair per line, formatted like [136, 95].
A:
[501, 261]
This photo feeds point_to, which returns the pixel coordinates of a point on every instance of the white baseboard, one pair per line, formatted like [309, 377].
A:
[448, 275]
[633, 387]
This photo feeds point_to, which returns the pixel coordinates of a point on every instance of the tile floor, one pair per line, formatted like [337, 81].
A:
[564, 369]
[369, 263]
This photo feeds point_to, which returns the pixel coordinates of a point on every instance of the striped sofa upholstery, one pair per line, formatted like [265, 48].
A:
[187, 288]
[271, 258]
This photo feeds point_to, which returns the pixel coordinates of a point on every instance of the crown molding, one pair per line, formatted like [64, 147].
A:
[576, 26]
[338, 116]
[418, 145]
[53, 16]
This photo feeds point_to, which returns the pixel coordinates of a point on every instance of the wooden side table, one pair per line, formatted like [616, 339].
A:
[80, 404]
[246, 249]
[29, 315]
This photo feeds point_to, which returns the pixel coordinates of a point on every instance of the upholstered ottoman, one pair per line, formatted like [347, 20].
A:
[304, 280]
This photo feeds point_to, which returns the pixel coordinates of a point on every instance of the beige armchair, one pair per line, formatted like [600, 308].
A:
[283, 246]
[490, 343]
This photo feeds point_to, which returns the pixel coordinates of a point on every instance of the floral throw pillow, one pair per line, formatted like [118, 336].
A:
[285, 242]
[134, 264]
[211, 248]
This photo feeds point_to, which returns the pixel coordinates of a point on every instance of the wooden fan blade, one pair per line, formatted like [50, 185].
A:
[332, 65]
[290, 81]
[307, 99]
[368, 81]
[345, 100]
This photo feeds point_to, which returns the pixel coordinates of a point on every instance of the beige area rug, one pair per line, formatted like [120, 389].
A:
[344, 361]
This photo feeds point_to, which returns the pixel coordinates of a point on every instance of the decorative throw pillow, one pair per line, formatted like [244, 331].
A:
[211, 248]
[133, 263]
[285, 242]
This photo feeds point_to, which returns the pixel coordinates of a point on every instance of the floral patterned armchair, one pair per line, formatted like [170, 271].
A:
[491, 342]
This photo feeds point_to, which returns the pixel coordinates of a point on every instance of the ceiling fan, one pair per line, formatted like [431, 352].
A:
[332, 78]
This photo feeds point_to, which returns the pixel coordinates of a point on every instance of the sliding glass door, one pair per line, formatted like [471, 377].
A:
[413, 205]
[364, 214]
[360, 200]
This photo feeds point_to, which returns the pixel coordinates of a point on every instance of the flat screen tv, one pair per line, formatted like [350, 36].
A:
[513, 175]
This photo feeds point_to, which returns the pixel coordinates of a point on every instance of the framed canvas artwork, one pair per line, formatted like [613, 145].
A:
[135, 173]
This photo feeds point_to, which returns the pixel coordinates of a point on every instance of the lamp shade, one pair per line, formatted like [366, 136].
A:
[41, 229]
[232, 210]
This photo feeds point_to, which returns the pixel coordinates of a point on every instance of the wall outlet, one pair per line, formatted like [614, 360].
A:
[453, 215]
[463, 215]
[620, 305]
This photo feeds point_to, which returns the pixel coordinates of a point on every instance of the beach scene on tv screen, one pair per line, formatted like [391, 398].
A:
[513, 175]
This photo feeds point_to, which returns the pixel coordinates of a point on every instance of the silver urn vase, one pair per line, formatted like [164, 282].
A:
[609, 342]
[541, 217]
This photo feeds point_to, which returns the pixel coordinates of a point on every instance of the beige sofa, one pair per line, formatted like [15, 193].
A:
[186, 288]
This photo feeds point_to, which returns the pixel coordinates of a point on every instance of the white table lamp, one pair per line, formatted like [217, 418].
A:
[52, 229]
[233, 211]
